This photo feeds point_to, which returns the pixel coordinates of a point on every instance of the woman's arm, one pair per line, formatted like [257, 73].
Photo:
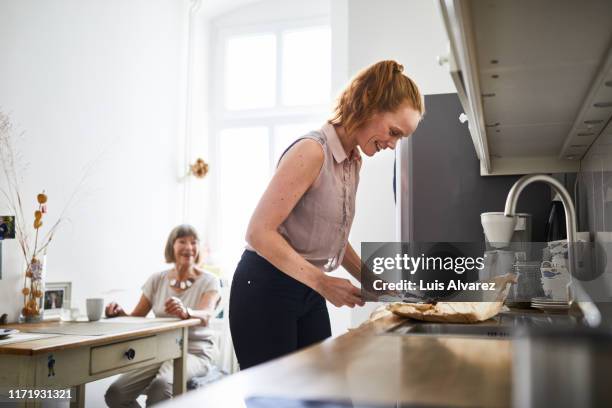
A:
[296, 172]
[352, 262]
[142, 308]
[205, 310]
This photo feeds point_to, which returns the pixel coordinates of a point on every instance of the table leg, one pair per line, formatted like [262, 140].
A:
[179, 382]
[79, 398]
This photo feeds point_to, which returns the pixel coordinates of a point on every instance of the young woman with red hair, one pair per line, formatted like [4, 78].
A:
[300, 228]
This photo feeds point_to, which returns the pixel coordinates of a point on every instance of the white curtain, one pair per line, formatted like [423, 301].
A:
[227, 358]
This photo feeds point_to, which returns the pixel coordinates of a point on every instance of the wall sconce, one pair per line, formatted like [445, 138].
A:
[198, 169]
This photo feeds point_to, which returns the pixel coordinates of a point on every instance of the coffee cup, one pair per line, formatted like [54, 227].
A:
[95, 307]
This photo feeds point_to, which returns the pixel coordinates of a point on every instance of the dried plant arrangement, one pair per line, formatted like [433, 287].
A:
[32, 243]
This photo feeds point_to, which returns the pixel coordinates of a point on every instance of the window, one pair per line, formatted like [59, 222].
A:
[250, 67]
[271, 85]
[306, 66]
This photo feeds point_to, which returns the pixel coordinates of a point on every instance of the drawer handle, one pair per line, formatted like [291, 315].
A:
[130, 354]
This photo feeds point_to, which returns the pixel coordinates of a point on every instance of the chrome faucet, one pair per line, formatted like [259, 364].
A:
[591, 314]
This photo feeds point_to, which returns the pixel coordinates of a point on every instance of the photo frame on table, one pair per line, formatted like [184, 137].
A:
[7, 231]
[57, 294]
[7, 227]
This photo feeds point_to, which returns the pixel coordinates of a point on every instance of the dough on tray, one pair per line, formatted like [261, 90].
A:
[448, 312]
[457, 312]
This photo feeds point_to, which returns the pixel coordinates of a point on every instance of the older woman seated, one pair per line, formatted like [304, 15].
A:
[185, 291]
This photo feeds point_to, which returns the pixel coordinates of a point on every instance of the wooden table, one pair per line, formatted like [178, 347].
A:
[110, 347]
[363, 366]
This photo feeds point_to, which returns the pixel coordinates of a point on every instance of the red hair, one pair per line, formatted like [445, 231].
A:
[379, 88]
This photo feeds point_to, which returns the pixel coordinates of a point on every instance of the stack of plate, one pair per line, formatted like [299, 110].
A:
[549, 305]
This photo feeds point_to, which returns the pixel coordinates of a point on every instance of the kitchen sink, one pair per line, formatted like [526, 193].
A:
[502, 326]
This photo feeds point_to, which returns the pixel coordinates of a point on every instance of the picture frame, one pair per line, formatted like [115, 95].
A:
[57, 296]
[7, 227]
[7, 231]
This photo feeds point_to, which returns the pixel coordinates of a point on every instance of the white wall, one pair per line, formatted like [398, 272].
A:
[96, 79]
[412, 33]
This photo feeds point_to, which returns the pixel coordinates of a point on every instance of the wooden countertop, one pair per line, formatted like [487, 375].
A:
[363, 367]
[65, 341]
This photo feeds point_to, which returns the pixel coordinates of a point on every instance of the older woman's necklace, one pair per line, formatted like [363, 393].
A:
[182, 283]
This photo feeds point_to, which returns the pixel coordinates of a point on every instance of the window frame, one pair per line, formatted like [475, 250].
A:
[221, 118]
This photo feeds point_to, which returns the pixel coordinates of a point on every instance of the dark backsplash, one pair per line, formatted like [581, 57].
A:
[448, 192]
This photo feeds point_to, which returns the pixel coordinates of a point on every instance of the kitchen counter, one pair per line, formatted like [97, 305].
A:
[367, 366]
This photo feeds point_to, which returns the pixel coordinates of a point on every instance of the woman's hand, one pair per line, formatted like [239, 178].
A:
[113, 310]
[367, 286]
[175, 307]
[339, 291]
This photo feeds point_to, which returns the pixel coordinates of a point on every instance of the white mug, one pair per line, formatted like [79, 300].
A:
[95, 307]
[555, 281]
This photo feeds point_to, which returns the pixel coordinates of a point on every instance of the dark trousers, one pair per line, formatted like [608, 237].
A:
[271, 314]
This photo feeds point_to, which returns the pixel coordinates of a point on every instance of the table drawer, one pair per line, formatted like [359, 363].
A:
[117, 355]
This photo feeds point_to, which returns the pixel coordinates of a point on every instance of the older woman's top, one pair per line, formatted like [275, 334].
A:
[157, 290]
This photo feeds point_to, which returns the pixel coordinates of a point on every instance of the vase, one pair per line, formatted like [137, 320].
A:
[33, 291]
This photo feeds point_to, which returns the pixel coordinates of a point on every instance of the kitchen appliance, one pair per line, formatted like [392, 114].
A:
[498, 228]
[514, 235]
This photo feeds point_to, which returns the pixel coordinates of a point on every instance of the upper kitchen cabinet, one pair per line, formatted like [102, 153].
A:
[534, 78]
